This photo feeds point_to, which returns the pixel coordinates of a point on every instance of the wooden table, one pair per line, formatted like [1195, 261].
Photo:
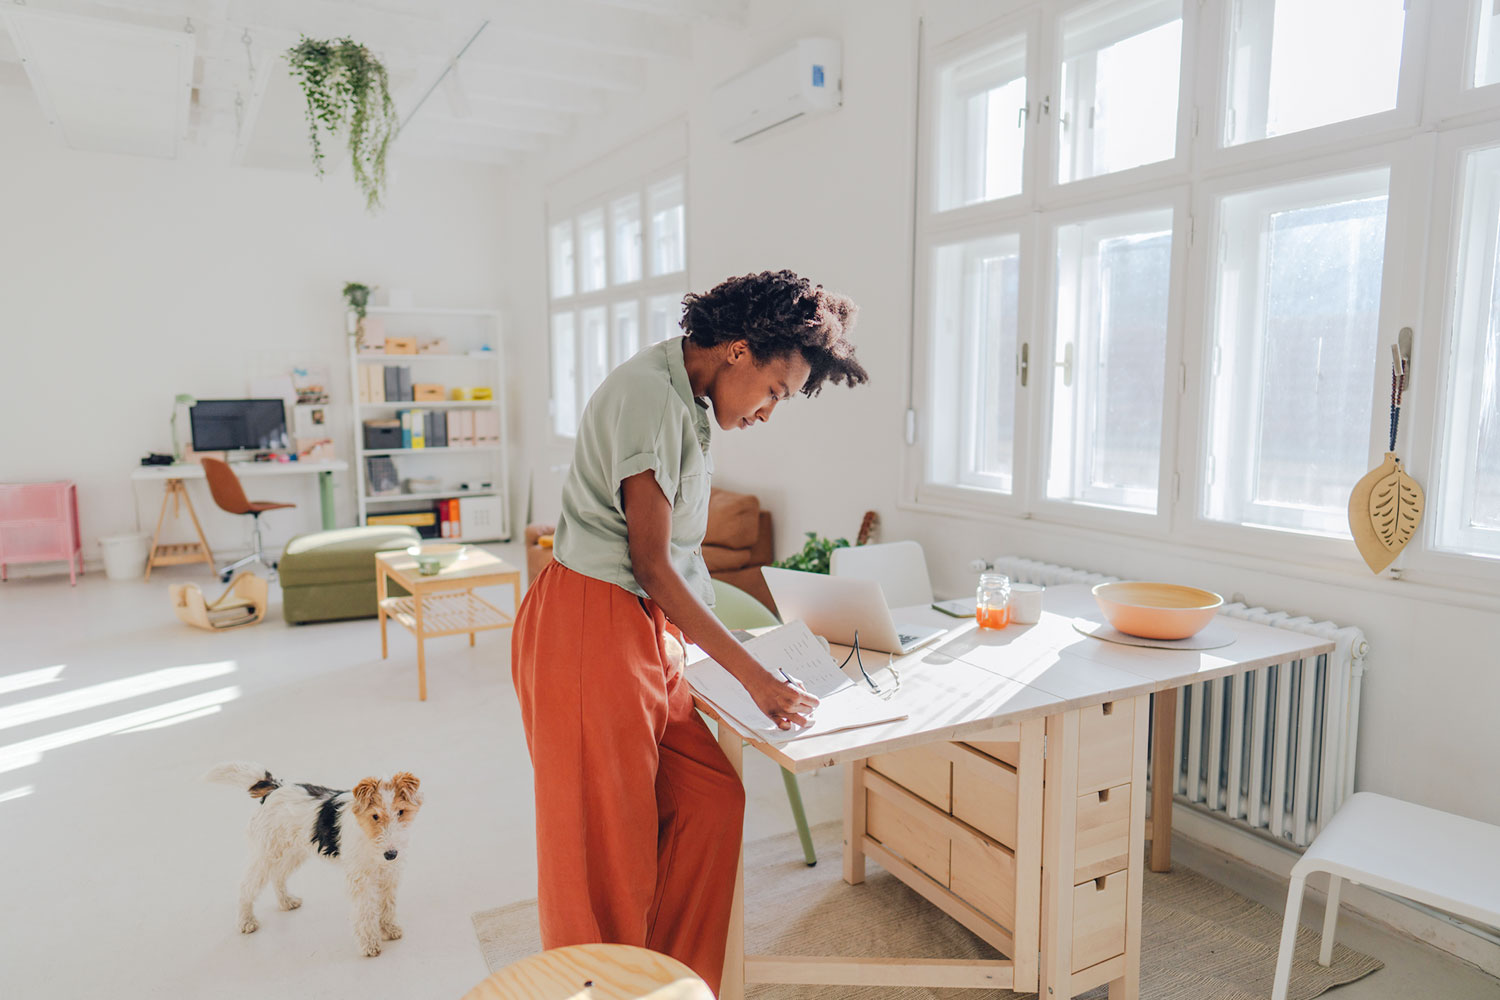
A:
[1013, 797]
[444, 603]
[593, 972]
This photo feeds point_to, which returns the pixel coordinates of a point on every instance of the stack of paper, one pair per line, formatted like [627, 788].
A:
[792, 648]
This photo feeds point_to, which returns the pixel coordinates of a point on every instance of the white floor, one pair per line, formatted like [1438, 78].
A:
[121, 865]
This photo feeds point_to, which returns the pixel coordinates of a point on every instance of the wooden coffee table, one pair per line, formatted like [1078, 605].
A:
[444, 603]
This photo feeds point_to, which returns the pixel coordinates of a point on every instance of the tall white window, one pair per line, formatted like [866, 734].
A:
[611, 260]
[1298, 64]
[1293, 360]
[1120, 67]
[1466, 516]
[1113, 285]
[1184, 332]
[976, 296]
[982, 125]
[1486, 44]
[564, 375]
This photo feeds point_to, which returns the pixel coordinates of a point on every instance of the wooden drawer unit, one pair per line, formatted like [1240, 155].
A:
[1102, 841]
[1106, 737]
[1099, 913]
[903, 829]
[923, 771]
[984, 795]
[985, 877]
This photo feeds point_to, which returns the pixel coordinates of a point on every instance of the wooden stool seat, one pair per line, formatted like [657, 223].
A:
[593, 972]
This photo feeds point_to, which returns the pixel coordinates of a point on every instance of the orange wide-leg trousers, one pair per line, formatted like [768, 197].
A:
[639, 815]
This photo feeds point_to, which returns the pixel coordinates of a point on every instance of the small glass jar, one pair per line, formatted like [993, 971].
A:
[992, 601]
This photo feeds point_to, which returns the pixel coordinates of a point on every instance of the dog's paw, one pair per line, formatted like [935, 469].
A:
[392, 932]
[290, 902]
[372, 949]
[249, 925]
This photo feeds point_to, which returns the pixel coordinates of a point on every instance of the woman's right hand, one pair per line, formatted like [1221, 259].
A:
[786, 704]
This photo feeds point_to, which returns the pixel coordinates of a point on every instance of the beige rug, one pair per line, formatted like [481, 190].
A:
[1200, 941]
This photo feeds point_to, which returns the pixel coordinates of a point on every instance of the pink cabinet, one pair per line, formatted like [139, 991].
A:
[39, 523]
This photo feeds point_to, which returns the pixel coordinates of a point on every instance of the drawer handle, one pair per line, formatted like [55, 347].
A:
[1104, 795]
[1109, 708]
[1099, 883]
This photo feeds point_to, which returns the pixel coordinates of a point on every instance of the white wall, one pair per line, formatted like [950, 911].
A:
[125, 280]
[831, 198]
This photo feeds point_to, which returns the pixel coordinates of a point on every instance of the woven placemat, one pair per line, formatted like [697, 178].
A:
[1212, 636]
[1199, 940]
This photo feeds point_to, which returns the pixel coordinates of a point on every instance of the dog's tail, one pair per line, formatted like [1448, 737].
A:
[243, 774]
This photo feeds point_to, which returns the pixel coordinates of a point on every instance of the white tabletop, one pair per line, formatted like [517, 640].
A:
[970, 681]
[192, 470]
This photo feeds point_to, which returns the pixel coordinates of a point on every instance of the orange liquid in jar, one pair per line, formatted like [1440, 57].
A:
[993, 617]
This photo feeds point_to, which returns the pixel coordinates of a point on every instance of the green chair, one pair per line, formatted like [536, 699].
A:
[737, 609]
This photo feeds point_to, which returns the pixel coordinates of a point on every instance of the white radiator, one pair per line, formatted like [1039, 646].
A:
[1272, 750]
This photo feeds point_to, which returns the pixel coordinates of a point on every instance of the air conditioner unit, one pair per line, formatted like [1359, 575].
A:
[805, 79]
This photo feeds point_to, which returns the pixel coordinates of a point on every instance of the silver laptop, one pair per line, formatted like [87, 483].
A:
[837, 606]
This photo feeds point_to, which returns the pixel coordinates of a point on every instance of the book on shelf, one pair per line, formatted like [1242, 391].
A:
[448, 515]
[437, 429]
[380, 476]
[416, 518]
[418, 428]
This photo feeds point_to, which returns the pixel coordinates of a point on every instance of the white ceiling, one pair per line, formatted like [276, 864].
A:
[535, 69]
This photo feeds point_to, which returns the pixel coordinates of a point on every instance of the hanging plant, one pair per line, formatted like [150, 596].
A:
[358, 297]
[346, 88]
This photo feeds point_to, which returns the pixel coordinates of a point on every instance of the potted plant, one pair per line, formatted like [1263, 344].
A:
[346, 88]
[815, 555]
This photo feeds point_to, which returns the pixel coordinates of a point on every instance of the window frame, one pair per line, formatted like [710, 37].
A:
[1101, 185]
[1044, 360]
[1213, 100]
[1422, 432]
[1412, 295]
[639, 290]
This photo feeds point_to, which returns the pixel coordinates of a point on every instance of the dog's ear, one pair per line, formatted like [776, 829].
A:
[367, 792]
[407, 786]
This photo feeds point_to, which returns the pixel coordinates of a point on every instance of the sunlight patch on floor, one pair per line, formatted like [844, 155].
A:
[27, 752]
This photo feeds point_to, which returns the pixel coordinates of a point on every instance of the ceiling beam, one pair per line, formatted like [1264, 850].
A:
[589, 27]
[427, 131]
[725, 11]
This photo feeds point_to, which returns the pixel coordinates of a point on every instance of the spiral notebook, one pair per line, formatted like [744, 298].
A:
[842, 703]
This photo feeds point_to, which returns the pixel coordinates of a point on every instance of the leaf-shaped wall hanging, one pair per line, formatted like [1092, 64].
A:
[1384, 511]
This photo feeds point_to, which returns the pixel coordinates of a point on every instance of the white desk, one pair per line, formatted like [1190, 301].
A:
[1011, 707]
[250, 470]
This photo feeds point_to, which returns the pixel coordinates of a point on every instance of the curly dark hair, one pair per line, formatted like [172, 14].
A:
[776, 313]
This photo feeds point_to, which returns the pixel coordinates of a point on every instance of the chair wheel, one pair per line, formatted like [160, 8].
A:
[225, 577]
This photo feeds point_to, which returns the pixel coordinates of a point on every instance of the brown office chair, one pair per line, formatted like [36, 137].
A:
[230, 495]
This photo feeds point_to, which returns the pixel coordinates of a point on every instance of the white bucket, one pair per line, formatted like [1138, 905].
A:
[125, 556]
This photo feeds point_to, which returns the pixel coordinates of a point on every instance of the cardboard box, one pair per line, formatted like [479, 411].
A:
[427, 392]
[401, 345]
[432, 345]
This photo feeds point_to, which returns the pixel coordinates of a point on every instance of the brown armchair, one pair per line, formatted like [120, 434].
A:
[737, 544]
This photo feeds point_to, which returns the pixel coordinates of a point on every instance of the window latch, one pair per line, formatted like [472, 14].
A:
[1023, 363]
[1066, 364]
[1022, 113]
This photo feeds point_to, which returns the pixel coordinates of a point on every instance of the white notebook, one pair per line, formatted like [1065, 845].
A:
[843, 704]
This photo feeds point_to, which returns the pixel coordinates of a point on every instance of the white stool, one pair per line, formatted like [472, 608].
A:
[1435, 858]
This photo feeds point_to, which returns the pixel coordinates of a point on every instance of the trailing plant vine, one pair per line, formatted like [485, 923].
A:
[346, 88]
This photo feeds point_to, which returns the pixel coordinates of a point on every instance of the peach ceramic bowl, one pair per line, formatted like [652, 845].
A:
[1156, 610]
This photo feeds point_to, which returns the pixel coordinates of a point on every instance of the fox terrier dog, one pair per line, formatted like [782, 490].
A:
[364, 830]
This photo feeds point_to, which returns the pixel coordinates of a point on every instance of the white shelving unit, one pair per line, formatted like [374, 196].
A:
[484, 468]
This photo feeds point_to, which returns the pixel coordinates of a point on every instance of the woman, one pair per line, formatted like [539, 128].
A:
[638, 811]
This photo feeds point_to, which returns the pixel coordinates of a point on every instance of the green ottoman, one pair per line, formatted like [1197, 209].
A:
[329, 575]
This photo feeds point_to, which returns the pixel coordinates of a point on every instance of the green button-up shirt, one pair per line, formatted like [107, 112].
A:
[643, 417]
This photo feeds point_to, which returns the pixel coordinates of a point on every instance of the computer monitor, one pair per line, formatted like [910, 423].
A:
[239, 425]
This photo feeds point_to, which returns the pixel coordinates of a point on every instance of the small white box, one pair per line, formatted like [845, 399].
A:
[481, 517]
